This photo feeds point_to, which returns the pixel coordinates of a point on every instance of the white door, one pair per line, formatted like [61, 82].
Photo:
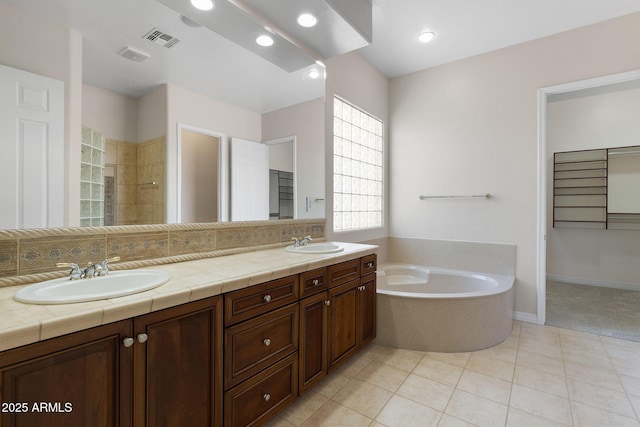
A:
[249, 180]
[32, 141]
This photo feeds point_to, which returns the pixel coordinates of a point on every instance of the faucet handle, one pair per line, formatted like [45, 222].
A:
[104, 268]
[75, 273]
[65, 264]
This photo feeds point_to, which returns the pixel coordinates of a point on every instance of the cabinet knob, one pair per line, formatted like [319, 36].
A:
[327, 302]
[266, 397]
[128, 342]
[267, 298]
[142, 338]
[315, 282]
[267, 342]
[369, 264]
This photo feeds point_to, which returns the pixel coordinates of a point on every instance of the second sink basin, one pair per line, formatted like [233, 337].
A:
[315, 248]
[116, 284]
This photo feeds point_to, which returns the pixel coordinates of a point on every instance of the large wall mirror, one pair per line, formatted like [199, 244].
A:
[137, 75]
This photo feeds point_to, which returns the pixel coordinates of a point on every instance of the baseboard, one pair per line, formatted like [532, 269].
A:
[525, 317]
[600, 283]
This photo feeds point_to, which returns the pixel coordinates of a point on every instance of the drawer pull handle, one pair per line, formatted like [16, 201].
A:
[128, 342]
[327, 302]
[369, 264]
[266, 397]
[267, 298]
[267, 342]
[142, 338]
[315, 282]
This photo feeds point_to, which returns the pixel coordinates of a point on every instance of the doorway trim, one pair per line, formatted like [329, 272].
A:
[543, 94]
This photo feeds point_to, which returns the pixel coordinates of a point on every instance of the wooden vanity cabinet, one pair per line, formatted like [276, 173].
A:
[79, 379]
[352, 309]
[163, 368]
[336, 323]
[166, 368]
[313, 340]
[260, 351]
[177, 371]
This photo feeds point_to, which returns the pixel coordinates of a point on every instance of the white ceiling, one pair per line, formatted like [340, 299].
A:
[206, 62]
[470, 27]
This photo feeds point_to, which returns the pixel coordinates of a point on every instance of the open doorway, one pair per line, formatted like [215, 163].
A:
[587, 279]
[199, 175]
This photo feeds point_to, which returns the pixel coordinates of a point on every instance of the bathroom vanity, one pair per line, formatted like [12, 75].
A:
[233, 358]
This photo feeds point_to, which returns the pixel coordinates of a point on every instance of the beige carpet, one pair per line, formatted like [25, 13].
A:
[602, 311]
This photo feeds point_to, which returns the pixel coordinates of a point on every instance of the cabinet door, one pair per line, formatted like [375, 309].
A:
[343, 336]
[367, 309]
[178, 366]
[313, 340]
[81, 379]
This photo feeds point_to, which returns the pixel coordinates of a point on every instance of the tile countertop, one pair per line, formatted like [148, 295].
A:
[22, 324]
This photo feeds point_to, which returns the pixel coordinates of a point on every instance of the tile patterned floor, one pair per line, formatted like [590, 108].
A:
[540, 376]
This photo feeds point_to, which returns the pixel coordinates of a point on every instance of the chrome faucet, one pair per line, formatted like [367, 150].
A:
[91, 270]
[104, 265]
[75, 273]
[301, 241]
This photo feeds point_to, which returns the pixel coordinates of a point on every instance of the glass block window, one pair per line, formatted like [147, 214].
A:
[91, 178]
[357, 168]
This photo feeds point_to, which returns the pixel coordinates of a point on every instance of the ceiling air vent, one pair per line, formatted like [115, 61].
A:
[133, 54]
[160, 37]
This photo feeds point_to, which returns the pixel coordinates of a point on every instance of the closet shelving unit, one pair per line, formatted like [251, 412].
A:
[580, 189]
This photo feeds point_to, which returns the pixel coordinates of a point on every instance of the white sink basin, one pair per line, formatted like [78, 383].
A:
[116, 284]
[315, 248]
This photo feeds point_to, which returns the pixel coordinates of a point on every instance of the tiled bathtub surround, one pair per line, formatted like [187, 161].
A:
[27, 252]
[494, 258]
[453, 323]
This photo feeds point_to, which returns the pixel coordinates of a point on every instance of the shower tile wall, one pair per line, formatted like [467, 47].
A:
[150, 191]
[123, 156]
[91, 178]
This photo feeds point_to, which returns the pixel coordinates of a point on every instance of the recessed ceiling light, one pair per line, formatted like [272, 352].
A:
[314, 74]
[426, 37]
[307, 20]
[264, 40]
[203, 4]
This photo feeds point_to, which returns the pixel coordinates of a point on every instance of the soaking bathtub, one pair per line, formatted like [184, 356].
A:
[441, 310]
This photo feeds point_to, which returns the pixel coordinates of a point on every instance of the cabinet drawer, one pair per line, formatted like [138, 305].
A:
[344, 272]
[368, 264]
[255, 344]
[246, 303]
[312, 282]
[260, 398]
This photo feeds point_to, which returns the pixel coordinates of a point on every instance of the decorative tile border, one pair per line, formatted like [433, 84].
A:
[31, 255]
